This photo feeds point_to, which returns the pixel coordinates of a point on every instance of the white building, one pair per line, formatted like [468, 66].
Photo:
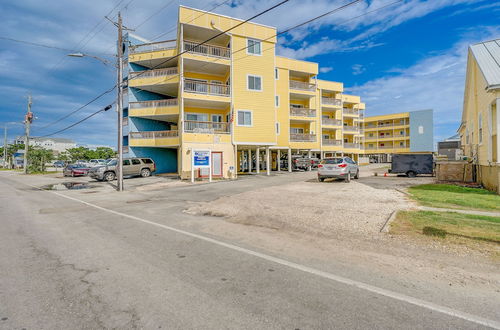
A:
[55, 144]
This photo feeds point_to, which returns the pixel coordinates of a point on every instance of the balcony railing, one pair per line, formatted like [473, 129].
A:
[207, 50]
[125, 149]
[331, 142]
[305, 86]
[301, 137]
[206, 127]
[302, 112]
[331, 101]
[152, 104]
[351, 145]
[153, 46]
[125, 121]
[351, 128]
[201, 87]
[153, 134]
[348, 111]
[333, 122]
[153, 73]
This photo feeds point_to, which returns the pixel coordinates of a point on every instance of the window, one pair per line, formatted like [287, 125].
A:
[326, 137]
[136, 161]
[276, 74]
[147, 161]
[370, 135]
[254, 83]
[420, 129]
[297, 106]
[277, 101]
[480, 127]
[278, 128]
[126, 162]
[253, 47]
[244, 118]
[217, 118]
[370, 145]
[196, 116]
[296, 130]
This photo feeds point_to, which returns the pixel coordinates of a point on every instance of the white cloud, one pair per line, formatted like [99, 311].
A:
[325, 69]
[358, 69]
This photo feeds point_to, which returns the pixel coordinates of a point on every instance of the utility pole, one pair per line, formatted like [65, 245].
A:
[27, 122]
[5, 146]
[119, 102]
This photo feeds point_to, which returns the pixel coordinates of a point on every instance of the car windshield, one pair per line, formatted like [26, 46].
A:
[112, 162]
[332, 161]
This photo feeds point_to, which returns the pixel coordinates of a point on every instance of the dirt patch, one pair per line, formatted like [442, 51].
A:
[329, 209]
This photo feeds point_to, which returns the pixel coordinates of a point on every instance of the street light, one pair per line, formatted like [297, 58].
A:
[102, 60]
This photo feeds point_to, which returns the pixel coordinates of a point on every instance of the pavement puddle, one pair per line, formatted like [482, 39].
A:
[67, 186]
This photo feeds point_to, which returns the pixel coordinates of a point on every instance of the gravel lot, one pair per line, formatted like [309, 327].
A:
[328, 209]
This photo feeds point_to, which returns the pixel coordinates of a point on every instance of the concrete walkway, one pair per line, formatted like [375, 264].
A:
[473, 212]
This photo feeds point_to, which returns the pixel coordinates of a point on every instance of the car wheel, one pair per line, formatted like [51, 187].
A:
[357, 175]
[348, 177]
[411, 174]
[109, 176]
[145, 172]
[321, 179]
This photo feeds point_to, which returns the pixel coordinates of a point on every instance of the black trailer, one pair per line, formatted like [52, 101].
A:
[412, 164]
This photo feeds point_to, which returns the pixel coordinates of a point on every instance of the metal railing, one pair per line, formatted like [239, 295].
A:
[202, 87]
[331, 101]
[331, 142]
[153, 46]
[152, 104]
[302, 112]
[348, 111]
[206, 127]
[302, 137]
[125, 149]
[305, 86]
[330, 121]
[153, 73]
[351, 145]
[125, 121]
[351, 128]
[207, 50]
[153, 134]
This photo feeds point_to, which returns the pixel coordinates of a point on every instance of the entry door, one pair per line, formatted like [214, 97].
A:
[217, 164]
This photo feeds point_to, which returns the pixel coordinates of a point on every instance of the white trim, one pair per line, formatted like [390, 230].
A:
[261, 83]
[251, 117]
[255, 143]
[247, 47]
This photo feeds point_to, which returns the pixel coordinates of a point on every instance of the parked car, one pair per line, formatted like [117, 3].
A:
[75, 170]
[96, 162]
[300, 162]
[131, 167]
[412, 164]
[338, 168]
[59, 163]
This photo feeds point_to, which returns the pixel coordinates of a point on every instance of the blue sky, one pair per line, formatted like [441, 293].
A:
[407, 56]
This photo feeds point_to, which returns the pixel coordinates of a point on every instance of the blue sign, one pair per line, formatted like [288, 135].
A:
[201, 158]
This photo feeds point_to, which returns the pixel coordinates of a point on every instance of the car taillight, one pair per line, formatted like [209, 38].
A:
[320, 166]
[295, 160]
[343, 165]
[312, 161]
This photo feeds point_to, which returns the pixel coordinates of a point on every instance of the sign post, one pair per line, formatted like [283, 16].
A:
[201, 159]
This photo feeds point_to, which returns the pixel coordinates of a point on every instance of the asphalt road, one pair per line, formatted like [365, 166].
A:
[69, 265]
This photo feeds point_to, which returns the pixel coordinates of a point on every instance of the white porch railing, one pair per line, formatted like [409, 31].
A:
[206, 127]
[351, 128]
[302, 112]
[305, 86]
[207, 49]
[125, 121]
[301, 137]
[347, 111]
[152, 104]
[153, 73]
[153, 134]
[201, 87]
[331, 101]
[351, 145]
[332, 122]
[332, 142]
[153, 46]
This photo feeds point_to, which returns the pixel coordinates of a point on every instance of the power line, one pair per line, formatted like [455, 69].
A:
[80, 108]
[154, 14]
[39, 45]
[81, 120]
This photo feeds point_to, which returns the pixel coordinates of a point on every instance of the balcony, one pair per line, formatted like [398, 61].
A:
[207, 50]
[206, 127]
[125, 149]
[154, 139]
[302, 112]
[153, 46]
[153, 104]
[153, 73]
[349, 145]
[331, 122]
[166, 107]
[347, 111]
[301, 137]
[153, 134]
[353, 129]
[201, 87]
[303, 86]
[125, 121]
[331, 142]
[331, 101]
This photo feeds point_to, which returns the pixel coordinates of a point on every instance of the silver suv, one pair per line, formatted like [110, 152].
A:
[131, 167]
[338, 168]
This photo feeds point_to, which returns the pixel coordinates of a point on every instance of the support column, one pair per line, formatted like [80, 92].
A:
[268, 165]
[235, 162]
[257, 160]
[278, 156]
[249, 160]
[498, 133]
[290, 160]
[309, 155]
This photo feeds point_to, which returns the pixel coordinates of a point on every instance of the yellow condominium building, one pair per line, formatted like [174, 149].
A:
[233, 96]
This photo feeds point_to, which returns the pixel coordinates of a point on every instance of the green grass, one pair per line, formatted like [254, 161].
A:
[445, 225]
[451, 196]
